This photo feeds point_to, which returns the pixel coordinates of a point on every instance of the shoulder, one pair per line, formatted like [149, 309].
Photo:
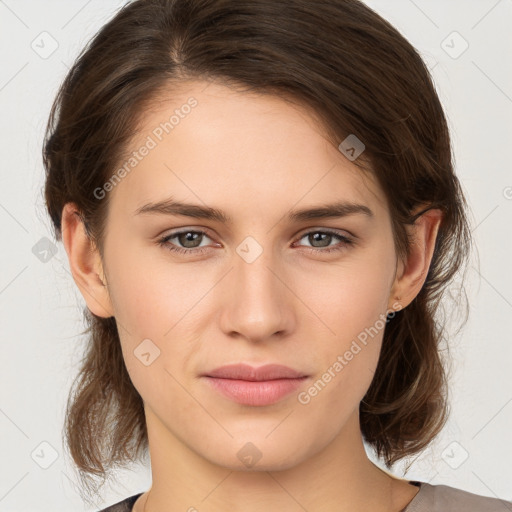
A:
[443, 498]
[123, 506]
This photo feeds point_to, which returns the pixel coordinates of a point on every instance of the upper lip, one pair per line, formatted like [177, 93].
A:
[251, 373]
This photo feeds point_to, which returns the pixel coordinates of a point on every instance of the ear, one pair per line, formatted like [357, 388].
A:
[85, 263]
[412, 273]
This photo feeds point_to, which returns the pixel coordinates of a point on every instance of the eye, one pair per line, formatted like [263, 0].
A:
[189, 238]
[191, 241]
[324, 238]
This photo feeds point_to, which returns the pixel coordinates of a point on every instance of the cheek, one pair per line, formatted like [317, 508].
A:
[153, 309]
[150, 293]
[348, 296]
[354, 310]
[350, 300]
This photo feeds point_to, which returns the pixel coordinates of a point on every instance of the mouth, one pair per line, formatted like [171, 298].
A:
[252, 386]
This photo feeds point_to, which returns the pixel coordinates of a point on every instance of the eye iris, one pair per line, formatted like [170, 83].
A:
[189, 236]
[322, 237]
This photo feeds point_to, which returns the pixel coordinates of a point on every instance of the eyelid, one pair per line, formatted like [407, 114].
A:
[333, 231]
[179, 231]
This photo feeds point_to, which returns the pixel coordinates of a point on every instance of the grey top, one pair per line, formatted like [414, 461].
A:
[430, 498]
[443, 498]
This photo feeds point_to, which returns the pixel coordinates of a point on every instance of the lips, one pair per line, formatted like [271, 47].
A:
[252, 386]
[250, 373]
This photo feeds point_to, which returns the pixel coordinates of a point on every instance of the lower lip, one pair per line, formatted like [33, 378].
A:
[259, 393]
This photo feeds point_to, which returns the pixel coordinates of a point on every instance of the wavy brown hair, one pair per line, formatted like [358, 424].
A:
[360, 76]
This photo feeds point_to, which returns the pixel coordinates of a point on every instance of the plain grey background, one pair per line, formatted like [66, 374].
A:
[467, 45]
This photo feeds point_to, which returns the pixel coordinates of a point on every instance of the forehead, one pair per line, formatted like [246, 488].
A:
[214, 144]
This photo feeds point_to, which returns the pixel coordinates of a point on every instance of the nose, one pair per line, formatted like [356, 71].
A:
[258, 302]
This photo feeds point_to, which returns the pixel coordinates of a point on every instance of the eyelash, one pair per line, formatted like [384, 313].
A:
[164, 242]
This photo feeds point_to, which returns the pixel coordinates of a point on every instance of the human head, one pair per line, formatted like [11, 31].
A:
[359, 76]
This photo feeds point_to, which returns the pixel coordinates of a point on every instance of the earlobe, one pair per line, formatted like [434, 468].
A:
[85, 263]
[411, 274]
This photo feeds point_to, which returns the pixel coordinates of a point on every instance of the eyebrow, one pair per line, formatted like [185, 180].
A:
[172, 207]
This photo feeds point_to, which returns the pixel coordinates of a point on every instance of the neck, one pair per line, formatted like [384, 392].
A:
[339, 477]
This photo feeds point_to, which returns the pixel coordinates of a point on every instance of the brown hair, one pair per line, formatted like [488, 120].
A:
[360, 76]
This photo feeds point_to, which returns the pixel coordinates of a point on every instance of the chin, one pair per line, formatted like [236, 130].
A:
[260, 454]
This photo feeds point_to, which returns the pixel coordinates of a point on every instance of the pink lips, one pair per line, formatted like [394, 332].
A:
[260, 386]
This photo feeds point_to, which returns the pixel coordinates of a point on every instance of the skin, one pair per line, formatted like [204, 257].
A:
[256, 158]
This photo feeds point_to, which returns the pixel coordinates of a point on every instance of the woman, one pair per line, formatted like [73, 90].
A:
[259, 207]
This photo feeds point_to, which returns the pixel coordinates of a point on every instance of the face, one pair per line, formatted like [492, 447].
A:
[260, 286]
